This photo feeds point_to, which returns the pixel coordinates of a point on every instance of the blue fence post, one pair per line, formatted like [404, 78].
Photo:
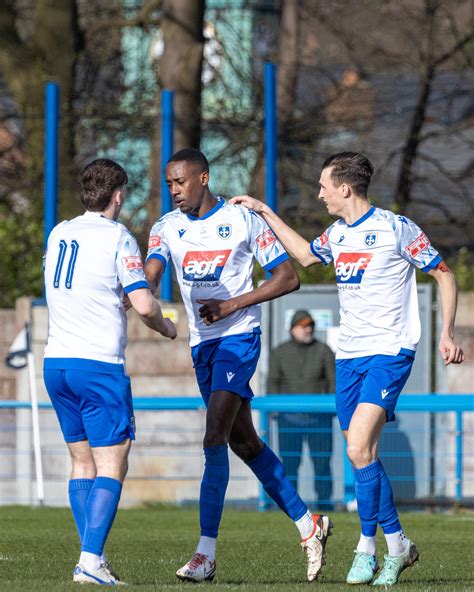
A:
[51, 159]
[264, 434]
[349, 490]
[459, 433]
[271, 137]
[167, 128]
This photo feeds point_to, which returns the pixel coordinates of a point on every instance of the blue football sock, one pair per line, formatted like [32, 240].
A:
[367, 490]
[100, 513]
[213, 487]
[271, 474]
[388, 515]
[79, 490]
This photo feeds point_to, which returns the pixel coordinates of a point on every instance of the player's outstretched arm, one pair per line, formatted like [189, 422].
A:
[294, 243]
[149, 310]
[450, 351]
[283, 281]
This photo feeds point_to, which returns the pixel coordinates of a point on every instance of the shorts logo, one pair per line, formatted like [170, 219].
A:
[204, 266]
[384, 393]
[370, 239]
[154, 241]
[230, 376]
[350, 267]
[265, 239]
[418, 245]
[224, 230]
[134, 262]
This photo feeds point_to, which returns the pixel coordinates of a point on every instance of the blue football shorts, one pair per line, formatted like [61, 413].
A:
[372, 379]
[92, 406]
[227, 364]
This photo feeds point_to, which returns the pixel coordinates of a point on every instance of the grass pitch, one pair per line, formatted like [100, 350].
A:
[256, 551]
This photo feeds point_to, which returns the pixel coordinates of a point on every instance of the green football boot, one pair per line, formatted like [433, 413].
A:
[393, 566]
[363, 568]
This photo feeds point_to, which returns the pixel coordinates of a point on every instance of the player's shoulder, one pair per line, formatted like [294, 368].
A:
[169, 218]
[396, 221]
[238, 210]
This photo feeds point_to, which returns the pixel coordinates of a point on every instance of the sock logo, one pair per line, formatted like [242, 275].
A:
[230, 376]
[384, 393]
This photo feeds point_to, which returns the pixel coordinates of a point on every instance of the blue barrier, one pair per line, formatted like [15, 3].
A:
[430, 403]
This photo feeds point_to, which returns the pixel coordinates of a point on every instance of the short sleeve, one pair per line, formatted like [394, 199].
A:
[157, 247]
[321, 248]
[129, 263]
[414, 246]
[267, 249]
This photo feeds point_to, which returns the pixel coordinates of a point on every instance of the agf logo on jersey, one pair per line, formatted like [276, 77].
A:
[204, 266]
[350, 267]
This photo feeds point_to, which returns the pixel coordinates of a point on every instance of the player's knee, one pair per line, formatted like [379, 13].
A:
[214, 438]
[246, 451]
[359, 455]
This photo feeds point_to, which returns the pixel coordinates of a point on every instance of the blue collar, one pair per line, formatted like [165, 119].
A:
[363, 219]
[220, 203]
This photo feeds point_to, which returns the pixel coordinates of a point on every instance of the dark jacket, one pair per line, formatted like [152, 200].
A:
[301, 368]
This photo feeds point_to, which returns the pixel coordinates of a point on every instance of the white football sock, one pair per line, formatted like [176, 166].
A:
[207, 546]
[305, 525]
[397, 543]
[89, 561]
[366, 544]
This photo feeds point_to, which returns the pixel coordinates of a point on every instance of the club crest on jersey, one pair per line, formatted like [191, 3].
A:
[265, 239]
[224, 230]
[204, 266]
[350, 267]
[370, 239]
[134, 262]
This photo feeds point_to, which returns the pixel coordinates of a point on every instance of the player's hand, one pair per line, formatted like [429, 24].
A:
[213, 310]
[249, 202]
[450, 352]
[126, 302]
[170, 329]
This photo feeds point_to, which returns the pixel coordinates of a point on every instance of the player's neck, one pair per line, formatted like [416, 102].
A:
[354, 209]
[206, 206]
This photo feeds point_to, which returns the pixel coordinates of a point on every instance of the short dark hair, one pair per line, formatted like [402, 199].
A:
[352, 168]
[98, 181]
[193, 156]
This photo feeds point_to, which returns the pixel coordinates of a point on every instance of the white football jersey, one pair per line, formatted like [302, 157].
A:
[213, 258]
[89, 263]
[375, 261]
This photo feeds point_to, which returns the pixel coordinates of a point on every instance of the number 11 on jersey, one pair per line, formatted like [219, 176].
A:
[63, 247]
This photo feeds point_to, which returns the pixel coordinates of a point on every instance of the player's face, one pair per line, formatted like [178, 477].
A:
[187, 185]
[332, 196]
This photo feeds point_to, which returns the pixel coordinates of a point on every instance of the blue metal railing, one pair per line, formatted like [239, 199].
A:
[430, 403]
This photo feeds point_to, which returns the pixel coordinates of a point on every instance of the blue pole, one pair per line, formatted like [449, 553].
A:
[271, 140]
[51, 159]
[167, 125]
[349, 489]
[263, 501]
[459, 435]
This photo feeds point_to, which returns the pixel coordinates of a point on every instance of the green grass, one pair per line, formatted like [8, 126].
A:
[256, 551]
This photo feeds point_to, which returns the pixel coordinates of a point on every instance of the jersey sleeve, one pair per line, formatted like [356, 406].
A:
[157, 247]
[129, 263]
[321, 248]
[267, 249]
[414, 246]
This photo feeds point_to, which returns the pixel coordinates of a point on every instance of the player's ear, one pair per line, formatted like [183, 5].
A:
[205, 178]
[344, 189]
